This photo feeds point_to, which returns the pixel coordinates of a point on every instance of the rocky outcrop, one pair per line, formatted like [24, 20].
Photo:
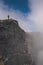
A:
[13, 45]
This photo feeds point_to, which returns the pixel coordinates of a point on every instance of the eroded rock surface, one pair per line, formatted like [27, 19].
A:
[12, 43]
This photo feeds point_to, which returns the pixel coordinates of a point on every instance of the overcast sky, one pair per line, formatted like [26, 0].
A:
[29, 13]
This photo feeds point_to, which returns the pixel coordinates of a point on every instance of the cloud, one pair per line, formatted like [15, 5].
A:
[32, 21]
[36, 14]
[36, 17]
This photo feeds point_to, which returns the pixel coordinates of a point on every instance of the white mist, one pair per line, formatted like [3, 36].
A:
[37, 47]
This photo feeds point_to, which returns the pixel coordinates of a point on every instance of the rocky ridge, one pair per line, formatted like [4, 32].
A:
[13, 46]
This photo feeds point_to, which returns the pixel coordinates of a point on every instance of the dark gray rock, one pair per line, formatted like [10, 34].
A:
[12, 43]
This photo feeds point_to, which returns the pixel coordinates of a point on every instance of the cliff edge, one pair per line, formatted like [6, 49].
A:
[12, 43]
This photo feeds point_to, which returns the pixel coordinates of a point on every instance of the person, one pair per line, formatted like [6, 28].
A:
[8, 17]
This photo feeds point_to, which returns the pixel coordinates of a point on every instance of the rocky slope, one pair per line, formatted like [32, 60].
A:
[13, 44]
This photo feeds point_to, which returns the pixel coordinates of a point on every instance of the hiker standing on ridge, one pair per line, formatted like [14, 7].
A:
[8, 17]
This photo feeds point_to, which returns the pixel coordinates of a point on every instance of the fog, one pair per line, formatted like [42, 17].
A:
[36, 47]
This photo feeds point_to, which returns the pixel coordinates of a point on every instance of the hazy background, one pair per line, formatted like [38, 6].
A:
[30, 20]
